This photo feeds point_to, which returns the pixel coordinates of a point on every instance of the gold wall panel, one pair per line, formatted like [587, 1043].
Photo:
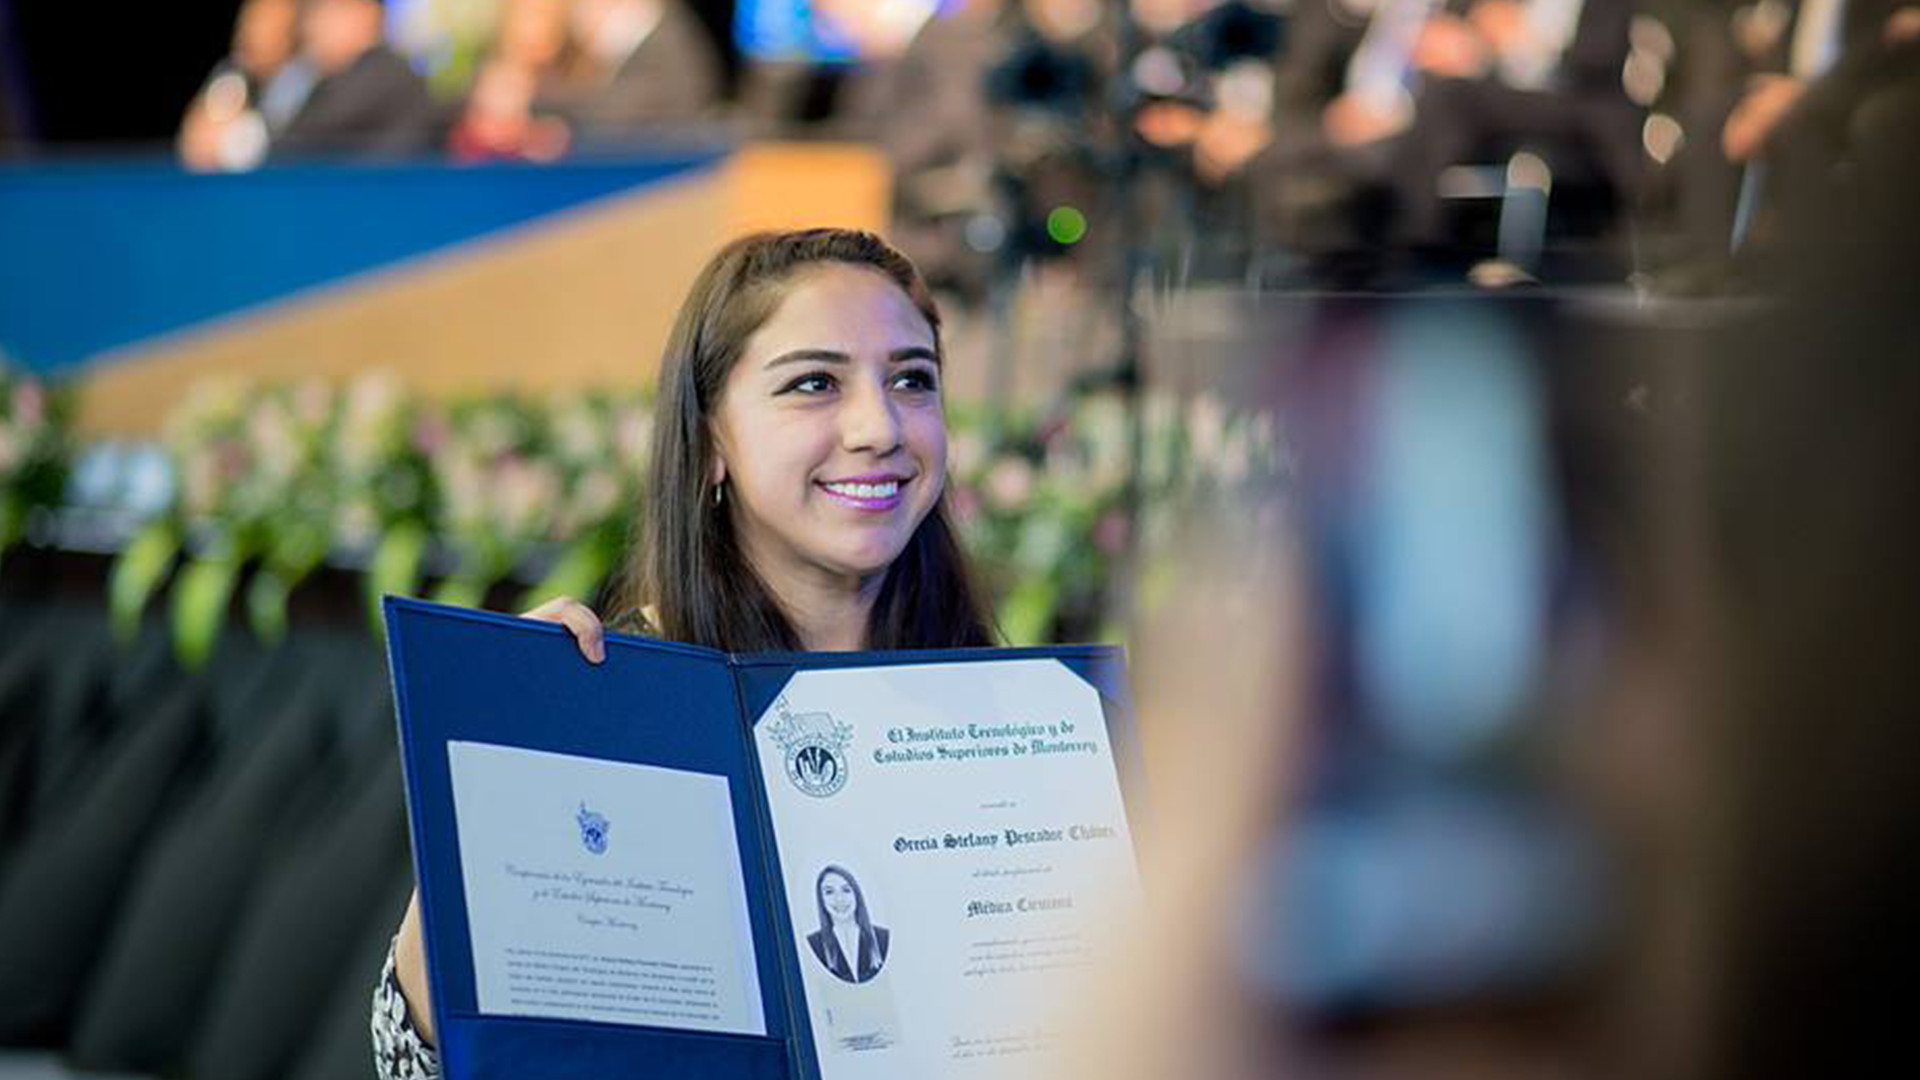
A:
[582, 297]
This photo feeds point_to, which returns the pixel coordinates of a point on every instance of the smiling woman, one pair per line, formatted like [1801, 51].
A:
[798, 498]
[800, 458]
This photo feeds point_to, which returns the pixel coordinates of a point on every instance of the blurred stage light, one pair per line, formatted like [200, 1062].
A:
[1066, 225]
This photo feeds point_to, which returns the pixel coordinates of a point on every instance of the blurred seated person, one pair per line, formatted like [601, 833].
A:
[921, 100]
[977, 105]
[1205, 73]
[251, 94]
[637, 65]
[506, 115]
[1818, 69]
[498, 121]
[1374, 99]
[1217, 104]
[877, 92]
[1514, 74]
[367, 100]
[957, 100]
[836, 77]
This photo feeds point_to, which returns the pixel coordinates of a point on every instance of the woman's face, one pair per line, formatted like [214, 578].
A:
[837, 893]
[831, 437]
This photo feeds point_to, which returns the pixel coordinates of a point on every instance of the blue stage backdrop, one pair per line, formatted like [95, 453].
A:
[100, 256]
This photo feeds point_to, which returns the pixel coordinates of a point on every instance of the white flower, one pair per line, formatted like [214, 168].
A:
[525, 492]
[1009, 484]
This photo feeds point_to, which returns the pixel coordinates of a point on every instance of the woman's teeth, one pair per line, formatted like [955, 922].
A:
[886, 490]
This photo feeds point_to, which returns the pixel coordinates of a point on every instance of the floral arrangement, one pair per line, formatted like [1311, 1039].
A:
[541, 492]
[35, 448]
[1054, 505]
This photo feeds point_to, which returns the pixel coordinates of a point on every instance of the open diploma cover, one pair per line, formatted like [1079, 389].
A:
[831, 866]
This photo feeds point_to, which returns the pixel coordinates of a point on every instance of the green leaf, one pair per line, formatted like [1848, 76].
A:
[13, 517]
[468, 592]
[395, 568]
[137, 572]
[578, 572]
[1027, 613]
[292, 554]
[200, 601]
[267, 605]
[296, 549]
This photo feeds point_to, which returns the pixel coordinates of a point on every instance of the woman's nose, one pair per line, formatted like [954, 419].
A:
[869, 422]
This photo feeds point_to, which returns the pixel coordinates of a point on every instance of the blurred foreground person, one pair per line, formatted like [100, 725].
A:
[251, 95]
[1745, 753]
[1795, 594]
[367, 101]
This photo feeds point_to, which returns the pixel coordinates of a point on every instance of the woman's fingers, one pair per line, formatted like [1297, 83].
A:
[580, 620]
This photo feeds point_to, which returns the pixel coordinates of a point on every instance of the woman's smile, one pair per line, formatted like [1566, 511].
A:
[868, 494]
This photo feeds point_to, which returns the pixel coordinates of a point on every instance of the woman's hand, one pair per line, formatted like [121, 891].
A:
[578, 618]
[410, 970]
[409, 948]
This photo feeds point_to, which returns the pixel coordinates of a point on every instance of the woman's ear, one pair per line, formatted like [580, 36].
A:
[716, 459]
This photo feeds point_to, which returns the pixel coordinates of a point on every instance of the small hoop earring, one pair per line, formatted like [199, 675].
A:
[720, 493]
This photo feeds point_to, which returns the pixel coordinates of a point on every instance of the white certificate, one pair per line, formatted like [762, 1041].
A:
[600, 890]
[955, 853]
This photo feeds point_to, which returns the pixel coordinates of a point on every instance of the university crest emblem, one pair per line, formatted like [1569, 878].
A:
[593, 830]
[815, 745]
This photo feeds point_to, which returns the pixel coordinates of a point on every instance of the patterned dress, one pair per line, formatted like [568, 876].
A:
[399, 1053]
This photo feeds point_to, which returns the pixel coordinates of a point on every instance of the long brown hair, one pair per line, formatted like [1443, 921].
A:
[689, 568]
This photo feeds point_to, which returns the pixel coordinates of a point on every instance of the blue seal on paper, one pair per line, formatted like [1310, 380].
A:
[816, 749]
[593, 830]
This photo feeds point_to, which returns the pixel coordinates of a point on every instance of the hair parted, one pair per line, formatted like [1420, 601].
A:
[688, 567]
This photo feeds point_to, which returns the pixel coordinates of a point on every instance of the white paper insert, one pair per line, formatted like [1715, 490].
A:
[605, 891]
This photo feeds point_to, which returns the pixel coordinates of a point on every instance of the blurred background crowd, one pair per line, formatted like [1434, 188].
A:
[1320, 141]
[1490, 424]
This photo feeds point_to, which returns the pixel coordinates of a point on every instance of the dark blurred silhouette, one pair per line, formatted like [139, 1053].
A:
[1375, 100]
[366, 100]
[1776, 111]
[1794, 130]
[640, 65]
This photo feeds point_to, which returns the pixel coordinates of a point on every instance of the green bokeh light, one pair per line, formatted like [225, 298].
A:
[1066, 225]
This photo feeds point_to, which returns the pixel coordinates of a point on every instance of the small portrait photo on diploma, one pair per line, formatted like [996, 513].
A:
[850, 981]
[848, 943]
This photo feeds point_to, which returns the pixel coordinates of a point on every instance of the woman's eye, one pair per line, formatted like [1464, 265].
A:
[918, 379]
[818, 382]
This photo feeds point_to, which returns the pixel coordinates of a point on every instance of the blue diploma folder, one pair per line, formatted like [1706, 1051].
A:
[462, 675]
